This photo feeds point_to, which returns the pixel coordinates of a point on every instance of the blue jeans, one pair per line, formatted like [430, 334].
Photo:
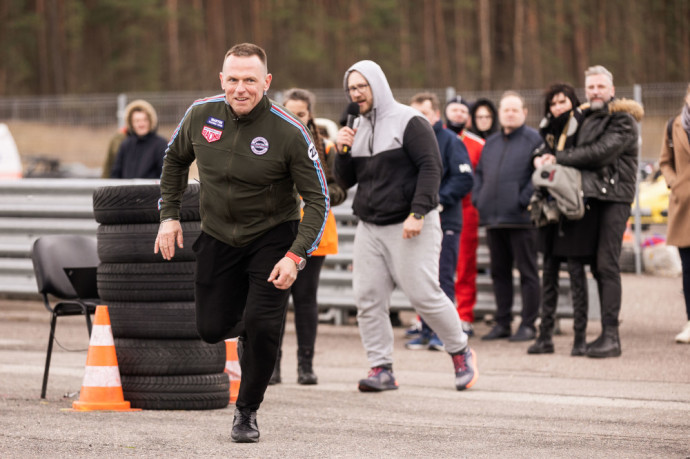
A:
[448, 261]
[450, 244]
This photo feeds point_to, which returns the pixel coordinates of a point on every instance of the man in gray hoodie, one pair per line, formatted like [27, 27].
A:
[391, 154]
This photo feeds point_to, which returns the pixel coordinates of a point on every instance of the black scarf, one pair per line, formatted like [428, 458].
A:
[559, 132]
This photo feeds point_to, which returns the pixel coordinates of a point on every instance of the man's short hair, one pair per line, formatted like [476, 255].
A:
[247, 50]
[512, 94]
[421, 97]
[599, 70]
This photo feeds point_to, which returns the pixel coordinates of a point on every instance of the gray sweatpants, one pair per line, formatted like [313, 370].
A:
[382, 260]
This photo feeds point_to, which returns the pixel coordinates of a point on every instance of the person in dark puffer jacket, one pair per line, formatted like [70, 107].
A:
[606, 153]
[502, 191]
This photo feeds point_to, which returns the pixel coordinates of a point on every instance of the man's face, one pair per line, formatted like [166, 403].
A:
[244, 80]
[483, 118]
[141, 124]
[599, 90]
[457, 113]
[511, 113]
[360, 91]
[427, 110]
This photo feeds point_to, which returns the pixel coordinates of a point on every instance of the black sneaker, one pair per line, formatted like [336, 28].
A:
[466, 372]
[379, 379]
[244, 426]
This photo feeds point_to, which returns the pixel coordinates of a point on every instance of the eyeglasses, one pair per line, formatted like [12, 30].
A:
[359, 88]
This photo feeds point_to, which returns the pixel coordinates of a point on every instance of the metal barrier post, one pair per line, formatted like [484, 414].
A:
[637, 95]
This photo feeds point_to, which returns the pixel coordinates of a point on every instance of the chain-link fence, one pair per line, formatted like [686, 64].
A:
[660, 101]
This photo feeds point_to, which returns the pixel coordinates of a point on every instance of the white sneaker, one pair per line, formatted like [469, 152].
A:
[684, 336]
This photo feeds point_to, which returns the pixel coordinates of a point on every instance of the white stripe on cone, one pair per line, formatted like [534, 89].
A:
[102, 377]
[232, 368]
[101, 335]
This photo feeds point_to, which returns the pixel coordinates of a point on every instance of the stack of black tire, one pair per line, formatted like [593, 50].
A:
[164, 365]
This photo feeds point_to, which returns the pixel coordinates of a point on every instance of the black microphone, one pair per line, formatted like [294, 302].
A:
[352, 114]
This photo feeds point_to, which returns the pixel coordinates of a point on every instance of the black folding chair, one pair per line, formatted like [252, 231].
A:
[51, 256]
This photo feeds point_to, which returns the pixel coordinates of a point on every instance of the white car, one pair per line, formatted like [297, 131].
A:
[10, 163]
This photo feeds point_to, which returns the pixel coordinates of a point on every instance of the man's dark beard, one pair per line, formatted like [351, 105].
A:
[456, 127]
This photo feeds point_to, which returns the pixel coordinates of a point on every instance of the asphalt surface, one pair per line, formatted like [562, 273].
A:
[637, 405]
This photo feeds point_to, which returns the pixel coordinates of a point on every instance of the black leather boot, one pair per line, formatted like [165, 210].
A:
[275, 377]
[579, 345]
[607, 345]
[244, 426]
[543, 345]
[305, 372]
[578, 290]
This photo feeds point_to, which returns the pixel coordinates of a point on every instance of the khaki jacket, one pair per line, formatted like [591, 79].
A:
[675, 166]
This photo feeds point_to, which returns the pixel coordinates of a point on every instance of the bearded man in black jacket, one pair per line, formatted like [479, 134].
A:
[606, 153]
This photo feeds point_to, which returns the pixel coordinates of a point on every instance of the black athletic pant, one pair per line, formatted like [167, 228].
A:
[234, 298]
[508, 246]
[304, 300]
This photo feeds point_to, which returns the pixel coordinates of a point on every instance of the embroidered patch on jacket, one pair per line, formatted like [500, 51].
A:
[313, 153]
[259, 146]
[220, 124]
[210, 134]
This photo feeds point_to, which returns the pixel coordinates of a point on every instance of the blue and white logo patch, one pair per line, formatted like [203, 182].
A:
[313, 153]
[259, 146]
[215, 122]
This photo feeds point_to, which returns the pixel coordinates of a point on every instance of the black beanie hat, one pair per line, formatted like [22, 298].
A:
[459, 100]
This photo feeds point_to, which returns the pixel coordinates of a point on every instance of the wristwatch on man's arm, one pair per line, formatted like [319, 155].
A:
[299, 261]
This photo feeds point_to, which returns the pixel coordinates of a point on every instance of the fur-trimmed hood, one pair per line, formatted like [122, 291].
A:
[629, 106]
[141, 104]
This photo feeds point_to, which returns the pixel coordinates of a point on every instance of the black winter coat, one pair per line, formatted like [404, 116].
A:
[503, 178]
[606, 152]
[140, 157]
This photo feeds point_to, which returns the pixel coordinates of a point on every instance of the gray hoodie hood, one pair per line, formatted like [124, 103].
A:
[387, 116]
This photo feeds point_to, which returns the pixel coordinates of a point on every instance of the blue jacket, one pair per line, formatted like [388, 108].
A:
[503, 178]
[456, 180]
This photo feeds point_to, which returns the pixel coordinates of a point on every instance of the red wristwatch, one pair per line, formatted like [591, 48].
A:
[299, 261]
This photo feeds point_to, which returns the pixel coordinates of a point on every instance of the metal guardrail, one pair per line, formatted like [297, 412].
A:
[30, 208]
[660, 99]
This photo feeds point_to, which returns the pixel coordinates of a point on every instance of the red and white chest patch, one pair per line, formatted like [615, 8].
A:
[210, 134]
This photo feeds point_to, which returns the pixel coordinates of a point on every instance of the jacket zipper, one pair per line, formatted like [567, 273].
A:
[230, 161]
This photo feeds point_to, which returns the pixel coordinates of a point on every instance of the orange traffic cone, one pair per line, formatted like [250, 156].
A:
[102, 388]
[232, 368]
[628, 234]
